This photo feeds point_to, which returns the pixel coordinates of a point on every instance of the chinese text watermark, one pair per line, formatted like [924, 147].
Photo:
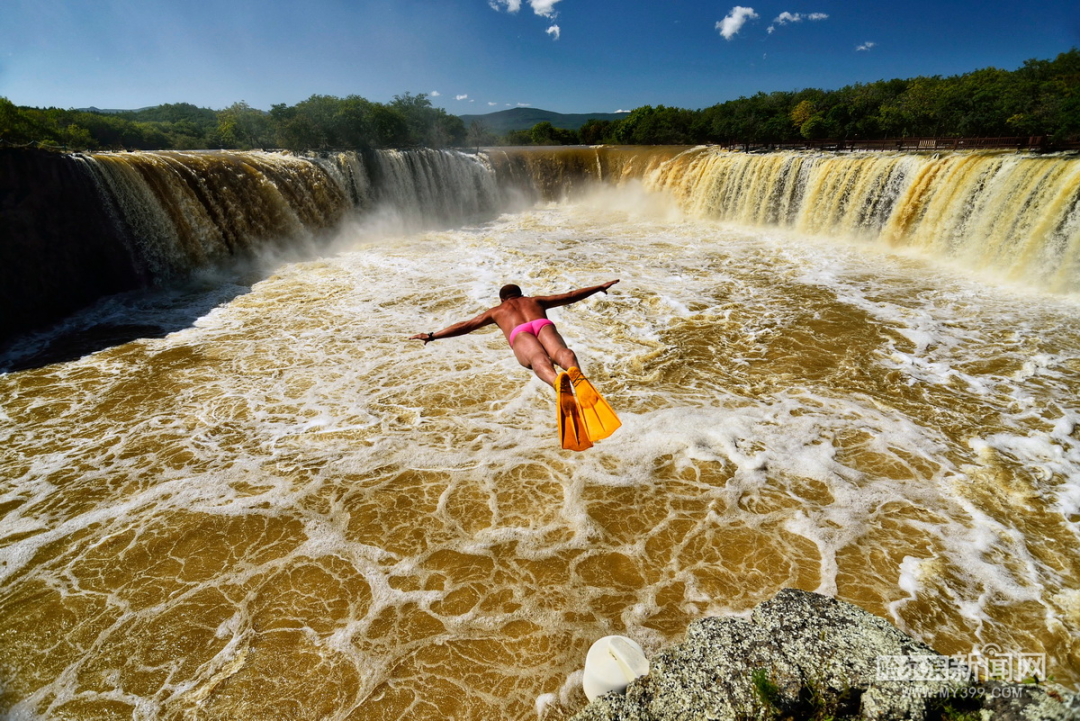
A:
[991, 663]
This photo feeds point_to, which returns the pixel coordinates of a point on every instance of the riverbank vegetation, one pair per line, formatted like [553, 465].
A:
[1041, 98]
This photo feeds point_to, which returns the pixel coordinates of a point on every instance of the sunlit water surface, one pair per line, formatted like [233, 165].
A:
[289, 511]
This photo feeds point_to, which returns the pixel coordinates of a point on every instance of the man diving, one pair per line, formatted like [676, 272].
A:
[538, 345]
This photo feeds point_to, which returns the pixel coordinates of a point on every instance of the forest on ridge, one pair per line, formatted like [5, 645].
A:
[1041, 98]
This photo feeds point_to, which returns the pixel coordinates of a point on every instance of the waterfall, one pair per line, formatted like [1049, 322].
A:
[182, 211]
[1015, 215]
[555, 174]
[151, 218]
[447, 187]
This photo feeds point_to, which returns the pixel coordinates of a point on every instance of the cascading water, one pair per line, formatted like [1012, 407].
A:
[183, 211]
[1015, 215]
[285, 509]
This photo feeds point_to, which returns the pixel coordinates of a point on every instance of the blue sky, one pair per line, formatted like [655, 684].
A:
[479, 56]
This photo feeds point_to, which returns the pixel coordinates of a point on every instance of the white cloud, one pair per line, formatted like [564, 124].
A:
[732, 24]
[620, 110]
[524, 105]
[785, 17]
[544, 8]
[491, 103]
[512, 6]
[865, 46]
[435, 93]
[461, 97]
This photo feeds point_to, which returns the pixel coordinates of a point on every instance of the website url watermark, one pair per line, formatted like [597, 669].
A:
[991, 663]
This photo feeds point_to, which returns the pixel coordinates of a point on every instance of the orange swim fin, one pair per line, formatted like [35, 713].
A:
[572, 431]
[600, 420]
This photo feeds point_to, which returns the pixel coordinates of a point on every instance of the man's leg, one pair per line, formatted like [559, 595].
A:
[531, 354]
[556, 349]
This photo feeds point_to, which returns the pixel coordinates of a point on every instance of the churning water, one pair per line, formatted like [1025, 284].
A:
[287, 510]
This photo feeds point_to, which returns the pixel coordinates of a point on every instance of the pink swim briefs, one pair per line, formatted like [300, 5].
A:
[532, 327]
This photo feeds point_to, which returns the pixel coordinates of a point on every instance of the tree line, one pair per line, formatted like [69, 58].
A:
[322, 122]
[1041, 98]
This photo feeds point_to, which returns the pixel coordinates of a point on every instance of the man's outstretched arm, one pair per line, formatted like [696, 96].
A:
[465, 326]
[554, 301]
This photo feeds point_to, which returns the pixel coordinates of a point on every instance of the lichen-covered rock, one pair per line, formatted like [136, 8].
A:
[813, 656]
[1023, 702]
[707, 674]
[838, 646]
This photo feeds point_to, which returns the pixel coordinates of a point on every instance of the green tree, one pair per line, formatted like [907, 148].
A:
[390, 128]
[517, 137]
[449, 130]
[427, 125]
[543, 133]
[18, 127]
[815, 128]
[242, 126]
[801, 113]
[594, 132]
[352, 123]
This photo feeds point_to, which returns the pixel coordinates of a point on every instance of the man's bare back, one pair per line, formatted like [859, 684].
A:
[524, 322]
[512, 312]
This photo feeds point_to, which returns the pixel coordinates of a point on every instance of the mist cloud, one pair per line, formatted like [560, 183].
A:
[730, 26]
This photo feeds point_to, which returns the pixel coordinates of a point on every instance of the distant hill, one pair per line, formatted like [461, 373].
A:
[504, 121]
[103, 111]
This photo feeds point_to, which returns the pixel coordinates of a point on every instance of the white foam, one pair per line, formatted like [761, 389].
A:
[544, 702]
[909, 575]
